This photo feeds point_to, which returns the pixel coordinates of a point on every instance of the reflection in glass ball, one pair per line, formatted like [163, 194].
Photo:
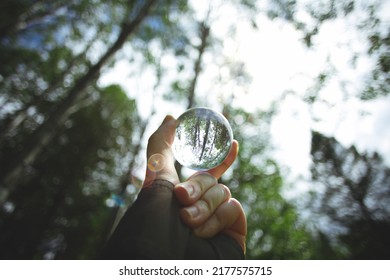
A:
[203, 139]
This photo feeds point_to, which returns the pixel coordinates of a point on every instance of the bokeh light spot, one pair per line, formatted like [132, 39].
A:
[156, 162]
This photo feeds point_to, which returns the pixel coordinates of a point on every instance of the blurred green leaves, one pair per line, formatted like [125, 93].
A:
[60, 207]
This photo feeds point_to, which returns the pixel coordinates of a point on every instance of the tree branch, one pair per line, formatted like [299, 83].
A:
[46, 132]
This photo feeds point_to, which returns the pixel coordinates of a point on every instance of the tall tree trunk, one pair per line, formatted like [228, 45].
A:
[45, 133]
[204, 32]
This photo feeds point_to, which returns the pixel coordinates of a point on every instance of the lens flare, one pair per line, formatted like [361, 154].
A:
[156, 162]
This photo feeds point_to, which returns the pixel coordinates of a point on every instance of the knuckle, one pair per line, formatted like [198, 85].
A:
[204, 180]
[206, 205]
[220, 219]
[214, 197]
[217, 195]
[226, 191]
[212, 227]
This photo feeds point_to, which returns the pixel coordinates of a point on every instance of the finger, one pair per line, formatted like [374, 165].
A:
[203, 209]
[162, 138]
[191, 190]
[160, 160]
[220, 169]
[229, 218]
[238, 230]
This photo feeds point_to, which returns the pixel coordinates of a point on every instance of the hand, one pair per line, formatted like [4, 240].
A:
[208, 208]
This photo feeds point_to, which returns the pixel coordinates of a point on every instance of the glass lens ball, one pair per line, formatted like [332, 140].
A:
[203, 139]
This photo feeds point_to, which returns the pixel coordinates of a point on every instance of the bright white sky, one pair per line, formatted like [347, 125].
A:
[277, 60]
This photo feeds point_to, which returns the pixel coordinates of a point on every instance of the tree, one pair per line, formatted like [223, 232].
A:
[69, 146]
[363, 18]
[60, 209]
[378, 84]
[353, 194]
[46, 131]
[255, 179]
[56, 96]
[275, 228]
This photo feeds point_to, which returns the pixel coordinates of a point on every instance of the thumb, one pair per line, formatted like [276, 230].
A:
[160, 159]
[162, 139]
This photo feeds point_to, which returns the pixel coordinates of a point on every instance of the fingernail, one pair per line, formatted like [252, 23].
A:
[169, 120]
[192, 211]
[189, 188]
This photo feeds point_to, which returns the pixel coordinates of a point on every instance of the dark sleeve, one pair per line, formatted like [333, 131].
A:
[152, 229]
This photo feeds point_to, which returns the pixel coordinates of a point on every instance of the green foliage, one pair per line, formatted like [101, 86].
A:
[284, 9]
[274, 227]
[379, 83]
[62, 204]
[353, 194]
[58, 208]
[45, 52]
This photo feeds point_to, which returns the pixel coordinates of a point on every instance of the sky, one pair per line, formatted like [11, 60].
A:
[277, 61]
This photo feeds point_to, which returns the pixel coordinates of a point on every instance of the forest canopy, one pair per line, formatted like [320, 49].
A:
[73, 131]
